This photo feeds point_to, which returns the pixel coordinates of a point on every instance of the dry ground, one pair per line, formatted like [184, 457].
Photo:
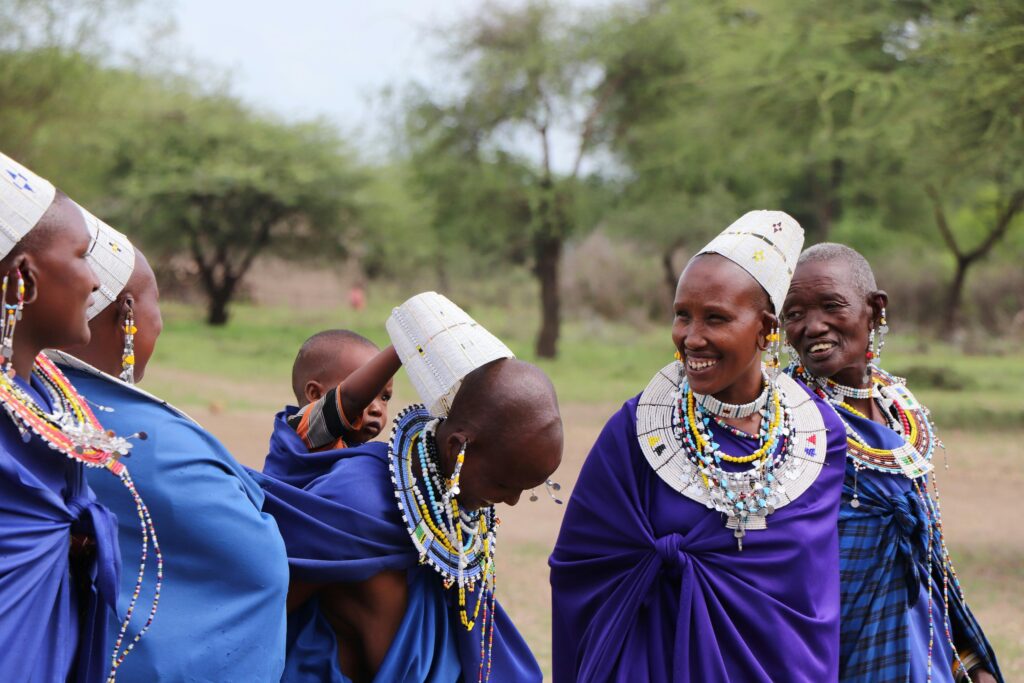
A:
[978, 498]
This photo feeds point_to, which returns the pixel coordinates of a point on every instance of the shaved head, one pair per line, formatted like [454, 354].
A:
[858, 269]
[507, 412]
[320, 358]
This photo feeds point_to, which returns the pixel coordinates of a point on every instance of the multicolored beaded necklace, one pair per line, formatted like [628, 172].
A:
[675, 435]
[910, 419]
[903, 414]
[73, 429]
[457, 544]
[740, 495]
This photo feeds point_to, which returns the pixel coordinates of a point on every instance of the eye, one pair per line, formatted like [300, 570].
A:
[792, 315]
[832, 306]
[385, 397]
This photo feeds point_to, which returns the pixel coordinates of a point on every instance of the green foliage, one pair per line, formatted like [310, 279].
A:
[223, 184]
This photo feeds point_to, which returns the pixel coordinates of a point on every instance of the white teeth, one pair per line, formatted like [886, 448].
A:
[700, 364]
[821, 346]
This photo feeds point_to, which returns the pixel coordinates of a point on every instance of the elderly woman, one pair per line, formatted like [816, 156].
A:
[700, 542]
[903, 615]
[225, 579]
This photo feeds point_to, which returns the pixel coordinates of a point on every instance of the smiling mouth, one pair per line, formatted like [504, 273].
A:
[820, 348]
[698, 364]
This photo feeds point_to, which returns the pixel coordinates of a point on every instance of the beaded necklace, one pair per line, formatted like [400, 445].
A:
[675, 435]
[457, 544]
[72, 429]
[909, 418]
[903, 414]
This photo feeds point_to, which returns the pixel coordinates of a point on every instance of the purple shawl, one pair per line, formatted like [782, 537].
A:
[648, 585]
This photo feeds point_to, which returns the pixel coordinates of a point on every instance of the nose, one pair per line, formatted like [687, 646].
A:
[376, 408]
[814, 324]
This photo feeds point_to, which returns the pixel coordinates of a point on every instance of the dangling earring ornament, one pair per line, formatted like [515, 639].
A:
[876, 342]
[128, 355]
[774, 347]
[11, 315]
[453, 481]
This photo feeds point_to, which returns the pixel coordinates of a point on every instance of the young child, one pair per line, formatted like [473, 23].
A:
[339, 375]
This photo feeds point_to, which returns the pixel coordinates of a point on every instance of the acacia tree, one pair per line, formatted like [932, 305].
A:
[968, 147]
[226, 185]
[527, 78]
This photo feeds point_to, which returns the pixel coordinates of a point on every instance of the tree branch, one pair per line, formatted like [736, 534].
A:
[608, 90]
[942, 223]
[1002, 226]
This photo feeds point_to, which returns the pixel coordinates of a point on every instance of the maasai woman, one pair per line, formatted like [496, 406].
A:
[903, 614]
[59, 564]
[700, 543]
[394, 545]
[224, 586]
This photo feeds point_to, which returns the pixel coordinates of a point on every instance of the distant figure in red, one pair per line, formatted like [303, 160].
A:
[357, 297]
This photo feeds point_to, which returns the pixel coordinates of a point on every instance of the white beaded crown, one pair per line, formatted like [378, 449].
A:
[112, 258]
[766, 244]
[439, 345]
[24, 198]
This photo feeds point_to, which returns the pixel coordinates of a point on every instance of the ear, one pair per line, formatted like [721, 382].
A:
[769, 323]
[126, 305]
[23, 264]
[877, 300]
[313, 390]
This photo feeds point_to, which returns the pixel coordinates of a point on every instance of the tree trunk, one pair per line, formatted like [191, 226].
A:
[669, 271]
[954, 299]
[548, 255]
[217, 307]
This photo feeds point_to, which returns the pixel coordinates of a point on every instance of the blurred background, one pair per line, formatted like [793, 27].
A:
[290, 167]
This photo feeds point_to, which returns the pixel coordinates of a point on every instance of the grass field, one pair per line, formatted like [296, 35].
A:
[233, 379]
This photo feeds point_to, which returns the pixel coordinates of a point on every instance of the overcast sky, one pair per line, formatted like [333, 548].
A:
[306, 58]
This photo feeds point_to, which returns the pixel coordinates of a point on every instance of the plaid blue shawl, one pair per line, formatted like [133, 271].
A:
[883, 559]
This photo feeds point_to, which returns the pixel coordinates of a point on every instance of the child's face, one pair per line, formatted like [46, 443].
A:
[375, 417]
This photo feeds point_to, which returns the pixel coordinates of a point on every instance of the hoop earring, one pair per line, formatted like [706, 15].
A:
[771, 358]
[12, 313]
[128, 354]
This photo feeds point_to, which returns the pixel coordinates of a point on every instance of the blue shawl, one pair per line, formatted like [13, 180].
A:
[342, 524]
[222, 608]
[44, 499]
[883, 559]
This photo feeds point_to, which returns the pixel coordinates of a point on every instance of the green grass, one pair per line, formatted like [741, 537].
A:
[599, 363]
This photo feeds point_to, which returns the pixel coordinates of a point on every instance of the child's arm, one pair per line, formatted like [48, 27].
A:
[340, 409]
[362, 387]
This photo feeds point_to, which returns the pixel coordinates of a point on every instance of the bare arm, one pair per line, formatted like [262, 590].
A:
[365, 616]
[360, 388]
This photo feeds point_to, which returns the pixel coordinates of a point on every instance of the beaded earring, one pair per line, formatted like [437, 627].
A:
[11, 315]
[876, 342]
[771, 358]
[128, 354]
[453, 481]
[549, 486]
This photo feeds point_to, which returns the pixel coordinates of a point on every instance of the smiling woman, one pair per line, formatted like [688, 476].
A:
[899, 584]
[647, 581]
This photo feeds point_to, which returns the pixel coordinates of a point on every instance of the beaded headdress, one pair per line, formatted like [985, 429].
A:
[112, 258]
[24, 198]
[766, 244]
[439, 345]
